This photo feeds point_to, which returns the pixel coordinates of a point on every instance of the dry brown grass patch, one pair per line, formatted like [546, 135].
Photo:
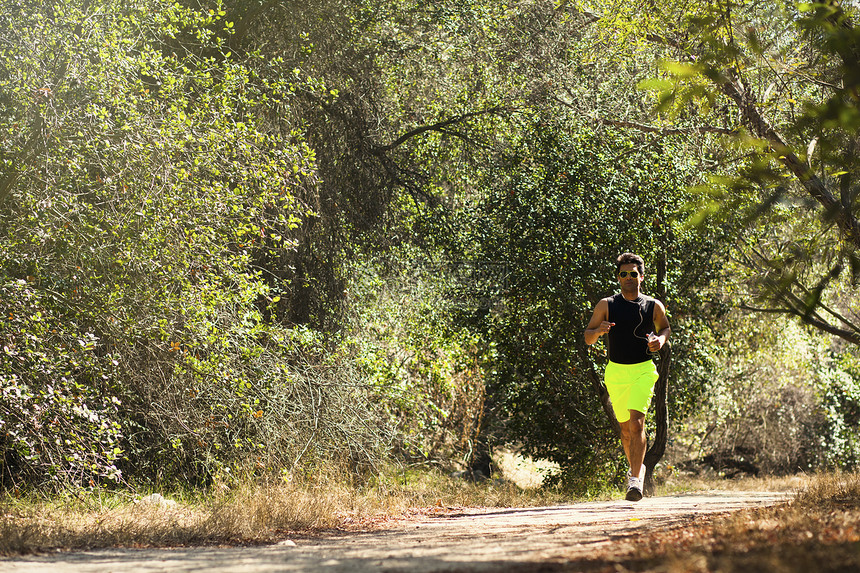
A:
[246, 513]
[668, 484]
[819, 530]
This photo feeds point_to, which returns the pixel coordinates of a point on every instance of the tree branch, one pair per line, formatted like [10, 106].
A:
[654, 128]
[668, 130]
[733, 87]
[599, 389]
[811, 320]
[439, 126]
[796, 305]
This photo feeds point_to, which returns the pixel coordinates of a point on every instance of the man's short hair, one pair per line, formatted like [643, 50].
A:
[630, 258]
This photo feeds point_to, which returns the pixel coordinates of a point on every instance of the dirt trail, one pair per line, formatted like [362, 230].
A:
[516, 539]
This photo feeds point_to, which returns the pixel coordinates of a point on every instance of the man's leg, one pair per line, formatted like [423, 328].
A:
[625, 439]
[634, 441]
[635, 448]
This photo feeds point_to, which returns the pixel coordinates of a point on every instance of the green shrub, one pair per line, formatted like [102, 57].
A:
[140, 188]
[58, 409]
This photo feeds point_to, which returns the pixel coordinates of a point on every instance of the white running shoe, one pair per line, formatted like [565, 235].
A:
[634, 488]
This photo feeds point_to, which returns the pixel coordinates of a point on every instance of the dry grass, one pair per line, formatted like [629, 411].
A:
[668, 484]
[819, 530]
[247, 513]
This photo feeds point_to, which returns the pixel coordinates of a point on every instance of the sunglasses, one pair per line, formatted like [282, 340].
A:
[625, 274]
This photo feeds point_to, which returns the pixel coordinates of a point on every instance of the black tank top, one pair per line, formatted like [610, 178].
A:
[628, 339]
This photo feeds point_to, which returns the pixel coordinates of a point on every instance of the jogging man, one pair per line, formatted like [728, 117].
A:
[630, 319]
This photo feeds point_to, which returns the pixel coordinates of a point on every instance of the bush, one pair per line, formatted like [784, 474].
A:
[425, 372]
[780, 402]
[141, 182]
[59, 411]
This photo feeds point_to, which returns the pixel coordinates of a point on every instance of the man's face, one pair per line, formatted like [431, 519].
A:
[629, 282]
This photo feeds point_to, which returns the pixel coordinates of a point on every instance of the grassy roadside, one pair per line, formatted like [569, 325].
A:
[821, 526]
[245, 514]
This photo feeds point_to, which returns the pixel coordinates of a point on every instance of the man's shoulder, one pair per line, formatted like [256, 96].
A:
[655, 302]
[606, 301]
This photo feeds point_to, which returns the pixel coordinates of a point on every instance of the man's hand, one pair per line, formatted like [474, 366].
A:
[598, 325]
[655, 342]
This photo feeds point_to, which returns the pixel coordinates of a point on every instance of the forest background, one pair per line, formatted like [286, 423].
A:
[266, 239]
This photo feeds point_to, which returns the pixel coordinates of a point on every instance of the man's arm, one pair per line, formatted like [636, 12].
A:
[661, 326]
[598, 325]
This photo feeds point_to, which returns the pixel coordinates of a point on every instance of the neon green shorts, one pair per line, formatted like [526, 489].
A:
[630, 387]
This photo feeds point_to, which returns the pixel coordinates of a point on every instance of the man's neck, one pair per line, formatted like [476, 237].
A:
[630, 295]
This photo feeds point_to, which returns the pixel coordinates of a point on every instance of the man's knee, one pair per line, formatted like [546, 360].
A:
[636, 424]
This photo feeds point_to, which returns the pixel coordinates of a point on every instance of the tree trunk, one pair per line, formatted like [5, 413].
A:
[661, 409]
